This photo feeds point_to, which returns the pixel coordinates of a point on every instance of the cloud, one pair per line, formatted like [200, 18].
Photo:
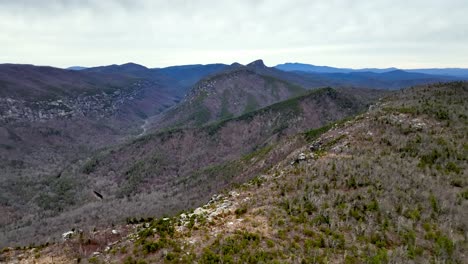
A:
[357, 33]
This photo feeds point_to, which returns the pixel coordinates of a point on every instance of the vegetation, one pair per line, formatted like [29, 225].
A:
[386, 188]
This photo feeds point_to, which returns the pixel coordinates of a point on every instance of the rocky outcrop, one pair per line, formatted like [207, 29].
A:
[97, 105]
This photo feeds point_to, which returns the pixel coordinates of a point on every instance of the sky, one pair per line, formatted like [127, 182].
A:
[156, 33]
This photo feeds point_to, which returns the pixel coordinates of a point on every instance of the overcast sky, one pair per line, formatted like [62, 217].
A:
[344, 33]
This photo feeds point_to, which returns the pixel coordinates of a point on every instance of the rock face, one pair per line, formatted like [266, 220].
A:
[97, 106]
[52, 117]
[257, 64]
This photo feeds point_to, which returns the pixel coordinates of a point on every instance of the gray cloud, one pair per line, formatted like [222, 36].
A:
[358, 33]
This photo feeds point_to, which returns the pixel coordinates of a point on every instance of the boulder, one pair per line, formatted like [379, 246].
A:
[68, 235]
[315, 146]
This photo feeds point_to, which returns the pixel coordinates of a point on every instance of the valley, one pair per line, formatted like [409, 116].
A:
[225, 132]
[131, 143]
[387, 185]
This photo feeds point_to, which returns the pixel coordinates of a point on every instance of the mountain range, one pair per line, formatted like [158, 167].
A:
[455, 72]
[204, 163]
[303, 67]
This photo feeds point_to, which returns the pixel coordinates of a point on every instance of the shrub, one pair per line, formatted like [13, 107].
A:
[452, 167]
[464, 194]
[151, 247]
[444, 246]
[241, 211]
[380, 257]
[90, 166]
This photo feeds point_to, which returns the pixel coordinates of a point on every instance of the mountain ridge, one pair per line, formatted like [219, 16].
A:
[179, 160]
[455, 72]
[378, 187]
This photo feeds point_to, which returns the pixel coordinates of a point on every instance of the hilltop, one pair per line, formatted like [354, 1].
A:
[233, 92]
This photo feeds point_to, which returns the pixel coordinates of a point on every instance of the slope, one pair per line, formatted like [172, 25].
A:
[52, 117]
[19, 81]
[388, 186]
[235, 91]
[48, 113]
[171, 170]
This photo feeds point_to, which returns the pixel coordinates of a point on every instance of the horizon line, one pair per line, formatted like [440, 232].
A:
[211, 63]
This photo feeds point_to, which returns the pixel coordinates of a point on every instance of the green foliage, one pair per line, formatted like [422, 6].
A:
[252, 104]
[434, 204]
[464, 194]
[242, 247]
[90, 166]
[225, 114]
[406, 110]
[429, 159]
[60, 195]
[94, 260]
[210, 257]
[441, 114]
[378, 240]
[240, 211]
[373, 206]
[260, 153]
[452, 167]
[130, 260]
[149, 247]
[315, 133]
[140, 171]
[444, 246]
[163, 227]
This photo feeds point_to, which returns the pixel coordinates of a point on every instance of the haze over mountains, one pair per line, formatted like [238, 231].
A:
[456, 72]
[295, 66]
[87, 148]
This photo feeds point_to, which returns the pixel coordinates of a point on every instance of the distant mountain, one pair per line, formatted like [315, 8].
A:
[297, 78]
[237, 90]
[375, 70]
[178, 78]
[455, 72]
[310, 68]
[128, 69]
[393, 79]
[326, 69]
[36, 85]
[185, 76]
[76, 68]
[42, 82]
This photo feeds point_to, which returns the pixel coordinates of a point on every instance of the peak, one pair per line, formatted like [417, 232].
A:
[133, 65]
[257, 64]
[236, 64]
[76, 68]
[391, 71]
